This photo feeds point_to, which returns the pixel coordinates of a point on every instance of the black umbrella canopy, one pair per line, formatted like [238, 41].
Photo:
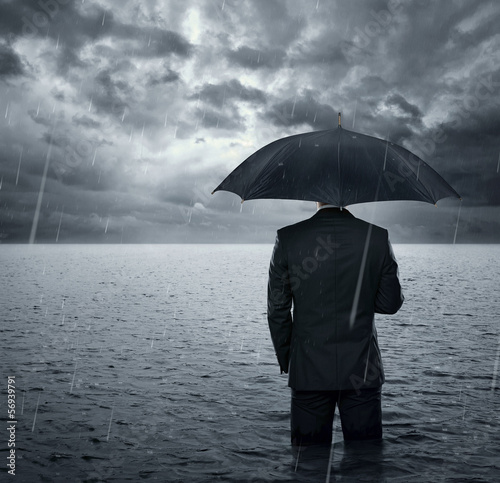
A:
[336, 166]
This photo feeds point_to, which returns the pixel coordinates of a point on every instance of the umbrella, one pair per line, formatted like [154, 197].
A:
[336, 166]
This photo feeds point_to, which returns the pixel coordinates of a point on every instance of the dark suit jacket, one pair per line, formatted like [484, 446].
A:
[338, 271]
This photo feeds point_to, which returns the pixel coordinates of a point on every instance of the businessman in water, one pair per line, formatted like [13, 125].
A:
[337, 271]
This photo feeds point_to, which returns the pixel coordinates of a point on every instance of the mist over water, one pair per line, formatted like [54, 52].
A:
[155, 361]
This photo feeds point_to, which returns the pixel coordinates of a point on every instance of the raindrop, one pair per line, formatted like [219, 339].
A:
[354, 116]
[90, 103]
[293, 108]
[110, 419]
[59, 227]
[107, 223]
[19, 165]
[300, 446]
[93, 159]
[385, 156]
[103, 18]
[498, 165]
[36, 411]
[458, 218]
[355, 302]
[495, 368]
[73, 381]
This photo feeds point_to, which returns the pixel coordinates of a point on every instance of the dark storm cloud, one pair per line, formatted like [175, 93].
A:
[72, 26]
[166, 77]
[158, 101]
[257, 59]
[409, 110]
[110, 95]
[85, 121]
[229, 119]
[327, 51]
[303, 109]
[218, 94]
[76, 23]
[10, 63]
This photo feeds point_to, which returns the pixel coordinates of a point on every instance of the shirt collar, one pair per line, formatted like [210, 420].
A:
[326, 206]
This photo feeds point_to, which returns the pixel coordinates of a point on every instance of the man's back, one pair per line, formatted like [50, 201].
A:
[339, 271]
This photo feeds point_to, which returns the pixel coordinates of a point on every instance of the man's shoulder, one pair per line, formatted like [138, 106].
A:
[375, 228]
[294, 226]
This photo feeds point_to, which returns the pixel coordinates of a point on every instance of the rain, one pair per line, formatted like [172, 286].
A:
[134, 300]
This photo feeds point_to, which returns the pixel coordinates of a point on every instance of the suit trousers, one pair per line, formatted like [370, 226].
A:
[312, 415]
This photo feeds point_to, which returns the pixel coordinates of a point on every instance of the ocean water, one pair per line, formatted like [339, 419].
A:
[154, 362]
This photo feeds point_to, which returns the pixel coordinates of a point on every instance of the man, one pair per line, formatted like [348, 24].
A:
[338, 271]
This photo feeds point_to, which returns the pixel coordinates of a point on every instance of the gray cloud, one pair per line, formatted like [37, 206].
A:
[164, 78]
[218, 94]
[257, 59]
[10, 63]
[303, 109]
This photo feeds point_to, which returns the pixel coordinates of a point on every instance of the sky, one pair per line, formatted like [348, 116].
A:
[118, 119]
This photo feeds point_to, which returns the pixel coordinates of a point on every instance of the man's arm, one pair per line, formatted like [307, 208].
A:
[389, 296]
[279, 303]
